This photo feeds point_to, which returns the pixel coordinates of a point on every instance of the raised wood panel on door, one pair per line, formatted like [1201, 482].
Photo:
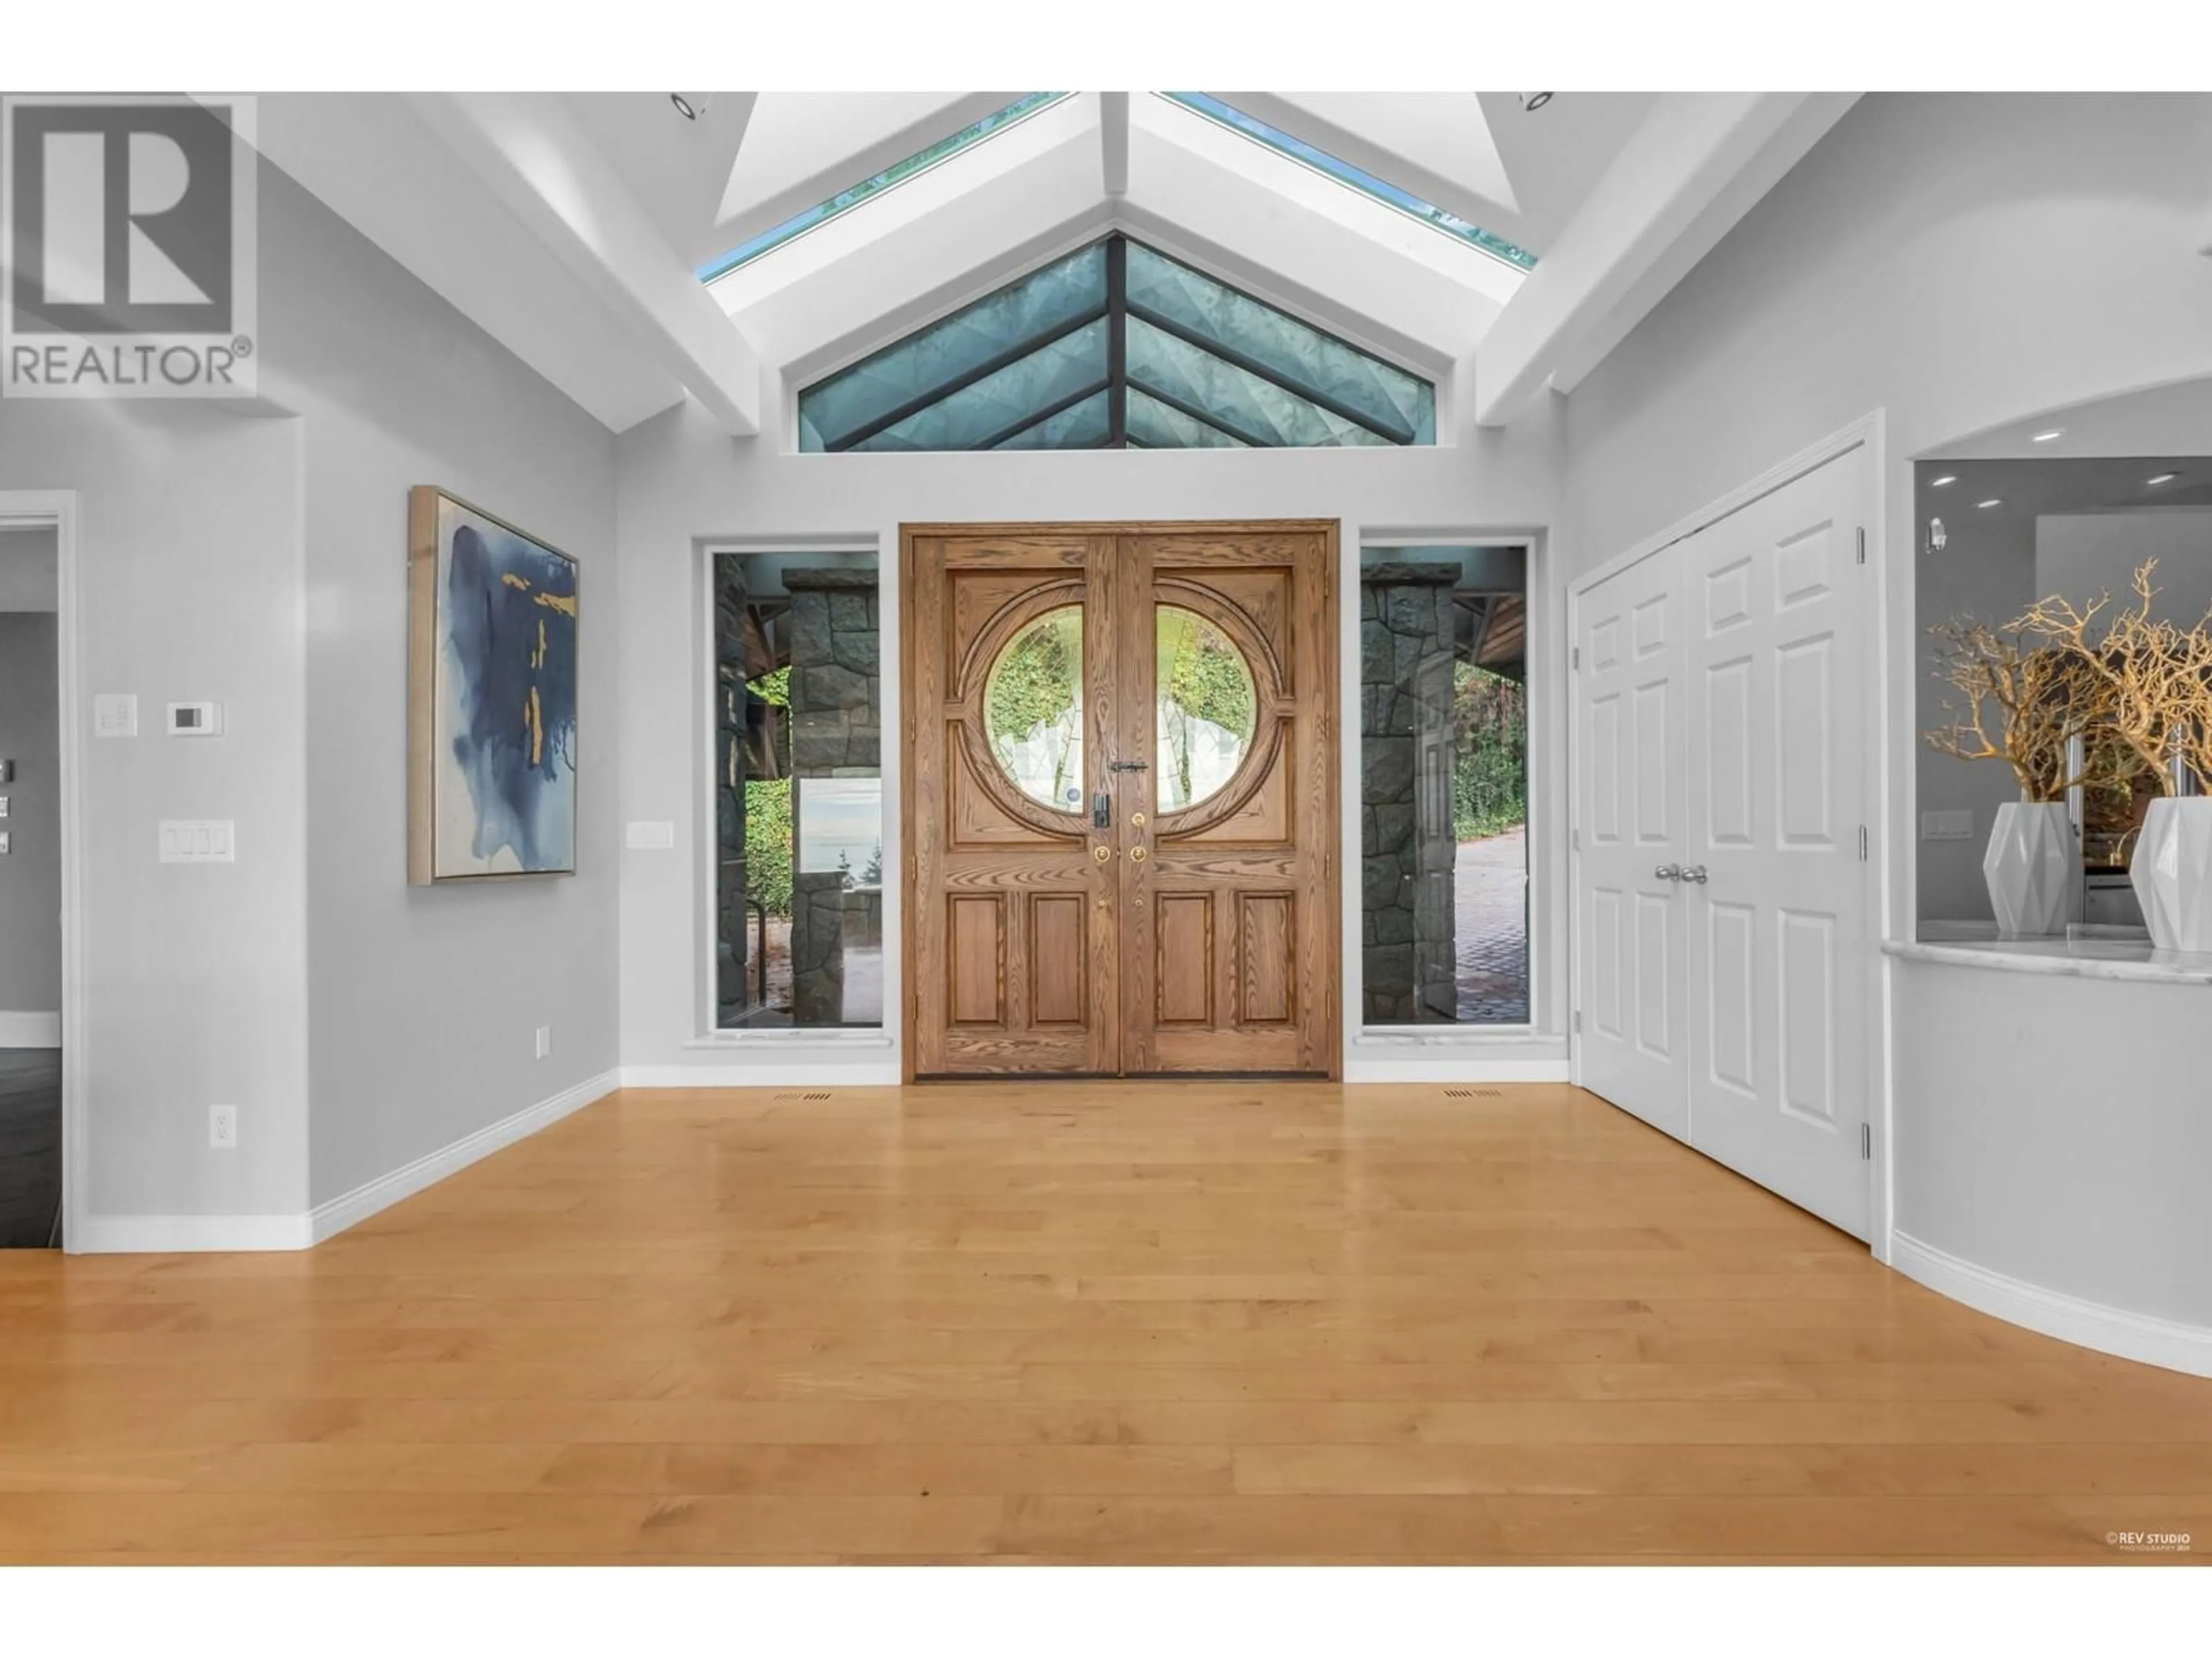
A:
[1633, 951]
[1778, 717]
[1230, 916]
[1010, 918]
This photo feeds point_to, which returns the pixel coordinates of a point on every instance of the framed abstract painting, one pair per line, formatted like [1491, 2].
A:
[491, 697]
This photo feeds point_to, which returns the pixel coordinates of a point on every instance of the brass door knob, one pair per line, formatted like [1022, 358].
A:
[1136, 820]
[1136, 855]
[1104, 855]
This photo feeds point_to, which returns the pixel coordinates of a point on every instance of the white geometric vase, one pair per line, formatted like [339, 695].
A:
[2172, 872]
[2032, 869]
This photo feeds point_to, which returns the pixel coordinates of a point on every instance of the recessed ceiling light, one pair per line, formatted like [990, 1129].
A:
[1994, 500]
[689, 105]
[1533, 101]
[1947, 478]
[2055, 432]
[2162, 478]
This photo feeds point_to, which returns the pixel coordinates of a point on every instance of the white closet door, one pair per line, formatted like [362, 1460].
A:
[1779, 723]
[1633, 951]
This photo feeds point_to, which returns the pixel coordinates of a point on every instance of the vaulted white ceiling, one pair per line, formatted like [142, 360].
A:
[1616, 194]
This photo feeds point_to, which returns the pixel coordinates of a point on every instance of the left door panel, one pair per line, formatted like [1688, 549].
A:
[1010, 892]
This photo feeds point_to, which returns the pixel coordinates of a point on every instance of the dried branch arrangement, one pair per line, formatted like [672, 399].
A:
[2022, 702]
[2154, 678]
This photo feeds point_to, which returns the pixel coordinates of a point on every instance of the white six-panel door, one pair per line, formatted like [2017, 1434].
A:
[1629, 821]
[1765, 619]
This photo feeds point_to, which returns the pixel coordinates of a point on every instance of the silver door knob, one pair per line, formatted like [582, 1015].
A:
[1694, 873]
[1668, 873]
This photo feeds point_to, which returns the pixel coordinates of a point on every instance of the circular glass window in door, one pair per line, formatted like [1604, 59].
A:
[1033, 709]
[1206, 708]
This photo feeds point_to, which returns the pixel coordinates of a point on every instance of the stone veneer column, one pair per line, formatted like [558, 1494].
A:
[730, 677]
[835, 699]
[1408, 970]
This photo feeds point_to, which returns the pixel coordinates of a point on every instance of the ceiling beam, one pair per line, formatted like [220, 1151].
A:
[534, 153]
[1114, 142]
[1694, 168]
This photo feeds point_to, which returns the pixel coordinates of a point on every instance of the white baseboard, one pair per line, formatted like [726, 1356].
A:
[365, 1201]
[21, 1030]
[165, 1234]
[765, 1074]
[1360, 1068]
[2144, 1337]
[126, 1235]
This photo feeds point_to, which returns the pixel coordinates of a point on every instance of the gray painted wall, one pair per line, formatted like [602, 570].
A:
[31, 874]
[2054, 1130]
[29, 575]
[189, 578]
[261, 562]
[423, 1003]
[1917, 262]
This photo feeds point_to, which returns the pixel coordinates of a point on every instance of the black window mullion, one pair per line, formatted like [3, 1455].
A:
[1204, 418]
[1117, 342]
[1045, 414]
[1251, 365]
[990, 366]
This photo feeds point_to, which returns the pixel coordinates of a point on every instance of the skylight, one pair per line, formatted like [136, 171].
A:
[1117, 346]
[897, 173]
[1344, 173]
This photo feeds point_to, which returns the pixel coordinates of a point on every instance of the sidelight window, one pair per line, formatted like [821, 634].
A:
[1443, 786]
[798, 790]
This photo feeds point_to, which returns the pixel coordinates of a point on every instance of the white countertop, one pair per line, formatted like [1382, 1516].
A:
[2093, 953]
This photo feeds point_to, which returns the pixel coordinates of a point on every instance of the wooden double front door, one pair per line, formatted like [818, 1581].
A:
[1121, 800]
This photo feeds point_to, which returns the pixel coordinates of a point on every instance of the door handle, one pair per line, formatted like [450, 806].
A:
[1102, 811]
[1695, 872]
[1103, 853]
[1668, 873]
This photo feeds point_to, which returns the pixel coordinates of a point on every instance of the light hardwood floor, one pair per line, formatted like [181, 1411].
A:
[1090, 1322]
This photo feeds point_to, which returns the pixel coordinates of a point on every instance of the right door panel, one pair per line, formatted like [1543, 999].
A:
[1775, 805]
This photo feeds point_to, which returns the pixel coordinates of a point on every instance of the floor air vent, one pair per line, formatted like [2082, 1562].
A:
[808, 1094]
[1475, 1094]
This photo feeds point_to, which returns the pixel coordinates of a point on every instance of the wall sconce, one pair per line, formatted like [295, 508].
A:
[1937, 539]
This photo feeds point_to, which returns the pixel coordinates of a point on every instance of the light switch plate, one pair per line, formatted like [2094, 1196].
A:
[1947, 826]
[195, 719]
[3, 843]
[115, 714]
[651, 837]
[198, 840]
[3, 806]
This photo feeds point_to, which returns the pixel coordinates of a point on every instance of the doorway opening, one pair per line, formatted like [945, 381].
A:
[31, 975]
[1119, 805]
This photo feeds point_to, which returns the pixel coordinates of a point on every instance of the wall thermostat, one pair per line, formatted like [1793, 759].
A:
[195, 719]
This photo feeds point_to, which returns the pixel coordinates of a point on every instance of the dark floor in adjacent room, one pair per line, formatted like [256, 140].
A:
[30, 1147]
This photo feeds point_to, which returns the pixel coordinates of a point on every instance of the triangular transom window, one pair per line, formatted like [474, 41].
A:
[1117, 346]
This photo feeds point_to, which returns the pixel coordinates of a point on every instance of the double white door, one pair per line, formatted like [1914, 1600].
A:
[1722, 729]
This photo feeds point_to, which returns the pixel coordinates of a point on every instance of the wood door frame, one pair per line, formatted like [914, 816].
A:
[1330, 1039]
[1887, 796]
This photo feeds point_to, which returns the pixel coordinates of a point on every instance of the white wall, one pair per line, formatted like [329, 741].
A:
[30, 736]
[423, 1003]
[683, 483]
[1958, 262]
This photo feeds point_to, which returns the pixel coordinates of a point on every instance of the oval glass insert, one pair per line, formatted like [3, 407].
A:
[1033, 709]
[1206, 708]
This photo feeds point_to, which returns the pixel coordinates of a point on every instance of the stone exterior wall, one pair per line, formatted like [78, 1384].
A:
[836, 728]
[1408, 973]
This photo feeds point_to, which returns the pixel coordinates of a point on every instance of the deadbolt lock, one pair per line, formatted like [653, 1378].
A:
[1136, 820]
